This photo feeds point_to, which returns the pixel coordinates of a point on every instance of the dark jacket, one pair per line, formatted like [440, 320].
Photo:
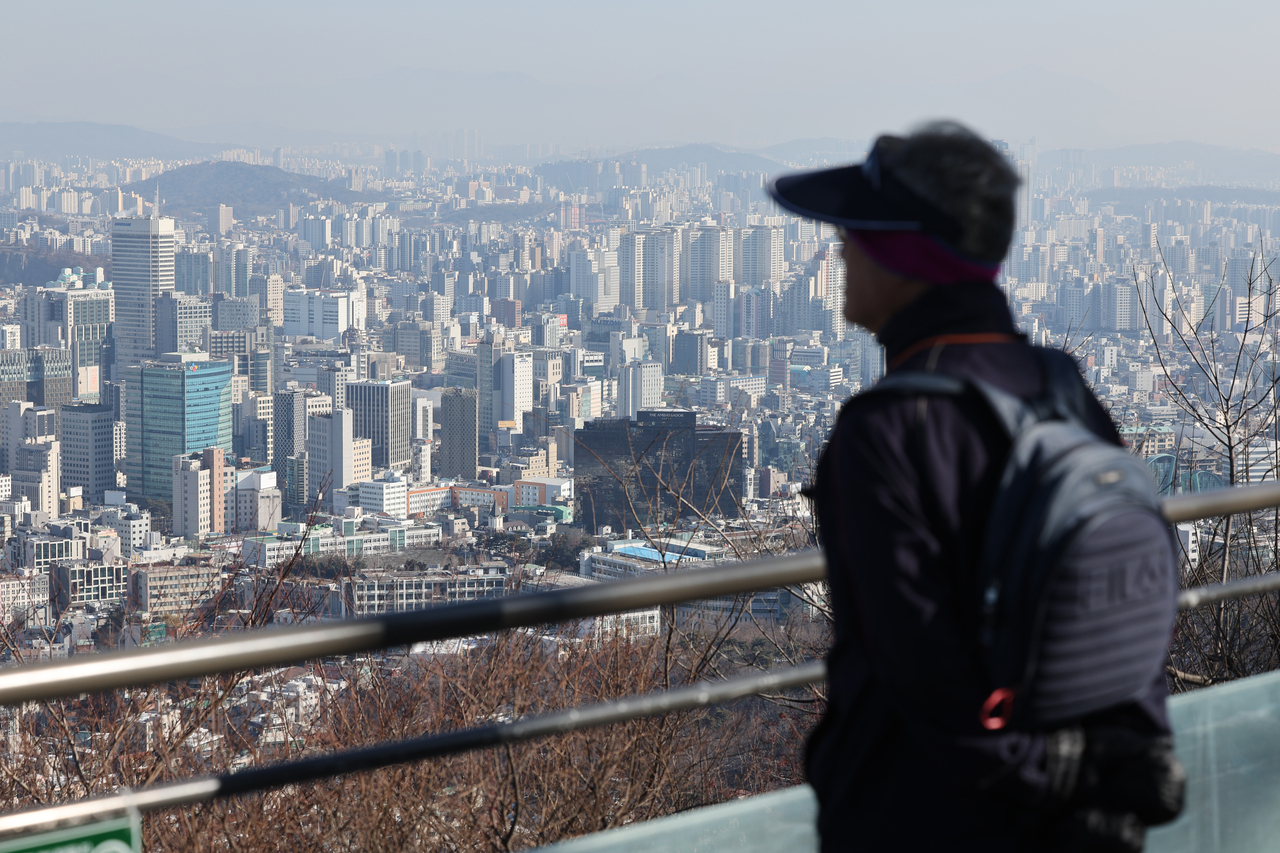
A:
[902, 491]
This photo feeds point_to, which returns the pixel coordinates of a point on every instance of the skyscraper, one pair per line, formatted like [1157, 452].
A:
[330, 454]
[200, 485]
[290, 413]
[179, 404]
[42, 376]
[88, 448]
[631, 270]
[235, 263]
[662, 250]
[19, 422]
[220, 219]
[515, 375]
[193, 271]
[459, 442]
[180, 322]
[71, 318]
[142, 269]
[710, 260]
[333, 381]
[381, 411]
[36, 473]
[762, 259]
[488, 354]
[639, 387]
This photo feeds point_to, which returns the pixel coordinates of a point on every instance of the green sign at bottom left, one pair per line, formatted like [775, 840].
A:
[119, 835]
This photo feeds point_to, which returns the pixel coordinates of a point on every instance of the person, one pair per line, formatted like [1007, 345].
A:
[901, 759]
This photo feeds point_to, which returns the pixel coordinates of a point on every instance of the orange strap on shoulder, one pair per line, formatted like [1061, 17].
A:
[942, 340]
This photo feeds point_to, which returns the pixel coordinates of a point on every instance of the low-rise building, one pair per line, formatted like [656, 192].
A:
[20, 595]
[76, 582]
[386, 592]
[163, 590]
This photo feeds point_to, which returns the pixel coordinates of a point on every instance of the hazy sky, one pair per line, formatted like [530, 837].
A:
[747, 73]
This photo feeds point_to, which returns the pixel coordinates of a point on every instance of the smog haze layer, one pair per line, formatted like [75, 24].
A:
[618, 76]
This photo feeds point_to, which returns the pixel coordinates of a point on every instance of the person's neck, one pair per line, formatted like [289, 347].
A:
[947, 309]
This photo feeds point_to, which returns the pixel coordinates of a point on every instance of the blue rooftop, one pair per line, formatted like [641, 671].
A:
[643, 553]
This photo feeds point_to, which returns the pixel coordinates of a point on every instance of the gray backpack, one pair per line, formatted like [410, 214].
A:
[1076, 581]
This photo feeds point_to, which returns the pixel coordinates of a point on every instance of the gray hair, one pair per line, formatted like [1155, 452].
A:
[964, 176]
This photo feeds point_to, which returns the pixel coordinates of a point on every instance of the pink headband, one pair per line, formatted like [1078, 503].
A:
[916, 255]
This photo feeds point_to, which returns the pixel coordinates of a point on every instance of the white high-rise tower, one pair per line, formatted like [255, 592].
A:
[141, 270]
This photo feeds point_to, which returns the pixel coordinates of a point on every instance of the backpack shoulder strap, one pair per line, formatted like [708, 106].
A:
[1013, 413]
[915, 382]
[1064, 386]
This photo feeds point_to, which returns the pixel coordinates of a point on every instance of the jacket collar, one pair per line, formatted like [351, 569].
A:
[947, 309]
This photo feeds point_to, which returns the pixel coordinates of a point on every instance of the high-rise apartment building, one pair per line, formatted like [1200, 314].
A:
[662, 252]
[141, 269]
[459, 436]
[178, 404]
[381, 414]
[317, 231]
[232, 269]
[631, 270]
[762, 259]
[710, 260]
[594, 277]
[193, 271]
[724, 299]
[323, 314]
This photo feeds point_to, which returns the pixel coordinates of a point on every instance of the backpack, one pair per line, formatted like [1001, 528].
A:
[1075, 586]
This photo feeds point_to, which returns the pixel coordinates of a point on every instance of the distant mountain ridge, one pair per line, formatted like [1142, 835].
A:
[1130, 200]
[1212, 163]
[802, 153]
[717, 158]
[47, 140]
[250, 190]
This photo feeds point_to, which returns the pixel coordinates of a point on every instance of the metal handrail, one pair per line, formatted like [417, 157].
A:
[283, 773]
[1238, 499]
[279, 646]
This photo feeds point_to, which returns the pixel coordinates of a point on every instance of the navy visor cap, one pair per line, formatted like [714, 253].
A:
[865, 197]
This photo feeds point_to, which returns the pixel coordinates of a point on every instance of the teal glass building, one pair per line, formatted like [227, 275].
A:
[177, 405]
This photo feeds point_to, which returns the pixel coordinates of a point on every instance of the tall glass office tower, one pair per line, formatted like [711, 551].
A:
[179, 404]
